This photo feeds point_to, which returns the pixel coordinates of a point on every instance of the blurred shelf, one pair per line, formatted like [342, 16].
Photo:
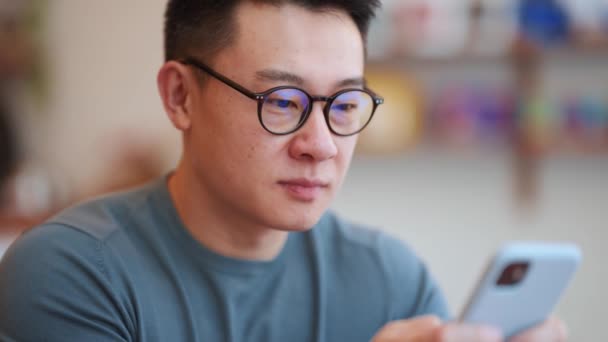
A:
[504, 146]
[584, 56]
[569, 148]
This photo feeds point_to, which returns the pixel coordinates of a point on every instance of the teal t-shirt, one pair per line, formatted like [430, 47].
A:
[124, 268]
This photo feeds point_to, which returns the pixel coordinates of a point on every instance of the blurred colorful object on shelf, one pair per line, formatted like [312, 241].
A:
[470, 115]
[604, 18]
[397, 123]
[21, 44]
[585, 123]
[588, 21]
[587, 14]
[538, 122]
[544, 22]
[474, 116]
[493, 27]
[429, 28]
[447, 29]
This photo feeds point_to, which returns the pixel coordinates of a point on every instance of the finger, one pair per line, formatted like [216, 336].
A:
[552, 330]
[416, 329]
[455, 332]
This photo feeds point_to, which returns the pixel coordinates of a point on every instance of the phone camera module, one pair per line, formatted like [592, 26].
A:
[513, 274]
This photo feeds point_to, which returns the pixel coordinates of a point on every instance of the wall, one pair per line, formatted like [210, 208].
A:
[103, 60]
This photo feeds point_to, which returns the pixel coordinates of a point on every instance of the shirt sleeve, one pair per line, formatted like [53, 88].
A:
[54, 287]
[411, 285]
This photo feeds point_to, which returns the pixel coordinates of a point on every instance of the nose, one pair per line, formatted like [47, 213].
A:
[314, 141]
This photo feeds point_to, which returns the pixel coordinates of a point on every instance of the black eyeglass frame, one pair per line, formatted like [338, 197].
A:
[261, 98]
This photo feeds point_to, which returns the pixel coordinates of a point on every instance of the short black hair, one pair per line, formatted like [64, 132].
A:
[204, 27]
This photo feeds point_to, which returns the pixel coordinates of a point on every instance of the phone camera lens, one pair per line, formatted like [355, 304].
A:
[513, 274]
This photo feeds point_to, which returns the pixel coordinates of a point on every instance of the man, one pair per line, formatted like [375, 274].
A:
[269, 96]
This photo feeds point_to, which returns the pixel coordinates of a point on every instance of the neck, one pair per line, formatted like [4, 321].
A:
[216, 226]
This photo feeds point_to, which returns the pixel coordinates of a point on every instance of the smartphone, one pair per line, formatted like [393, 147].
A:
[522, 285]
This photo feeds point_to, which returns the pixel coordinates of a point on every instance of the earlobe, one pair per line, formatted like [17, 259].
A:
[174, 92]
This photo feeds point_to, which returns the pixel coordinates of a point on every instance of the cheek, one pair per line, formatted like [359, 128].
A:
[241, 149]
[226, 121]
[346, 147]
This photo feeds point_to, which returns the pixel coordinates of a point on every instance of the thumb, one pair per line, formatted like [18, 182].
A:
[410, 330]
[553, 329]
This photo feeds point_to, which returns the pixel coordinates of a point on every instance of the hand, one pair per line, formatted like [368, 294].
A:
[552, 330]
[430, 329]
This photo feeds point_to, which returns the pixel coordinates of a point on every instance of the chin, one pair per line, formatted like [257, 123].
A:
[297, 221]
[289, 214]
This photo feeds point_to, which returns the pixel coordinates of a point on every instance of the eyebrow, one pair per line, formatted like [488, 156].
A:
[279, 76]
[353, 82]
[287, 77]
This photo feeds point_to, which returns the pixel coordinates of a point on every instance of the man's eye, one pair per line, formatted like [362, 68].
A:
[344, 107]
[282, 103]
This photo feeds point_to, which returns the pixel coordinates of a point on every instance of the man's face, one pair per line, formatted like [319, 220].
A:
[250, 175]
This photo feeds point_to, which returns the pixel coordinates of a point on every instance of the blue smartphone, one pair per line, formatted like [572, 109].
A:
[522, 285]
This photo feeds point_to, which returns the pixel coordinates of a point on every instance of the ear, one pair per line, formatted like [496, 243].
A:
[175, 85]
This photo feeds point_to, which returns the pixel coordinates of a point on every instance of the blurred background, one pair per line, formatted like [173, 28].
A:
[495, 127]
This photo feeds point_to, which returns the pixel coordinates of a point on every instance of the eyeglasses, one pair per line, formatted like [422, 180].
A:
[283, 110]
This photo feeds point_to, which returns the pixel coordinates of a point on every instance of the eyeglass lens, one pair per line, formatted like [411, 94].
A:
[284, 110]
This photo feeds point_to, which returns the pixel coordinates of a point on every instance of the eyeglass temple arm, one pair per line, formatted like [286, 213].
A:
[191, 61]
[378, 100]
[222, 78]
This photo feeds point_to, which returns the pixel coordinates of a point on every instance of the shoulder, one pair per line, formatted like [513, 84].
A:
[73, 249]
[103, 216]
[42, 271]
[68, 274]
[60, 274]
[77, 240]
[47, 252]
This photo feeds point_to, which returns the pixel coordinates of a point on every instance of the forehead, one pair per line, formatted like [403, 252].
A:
[314, 44]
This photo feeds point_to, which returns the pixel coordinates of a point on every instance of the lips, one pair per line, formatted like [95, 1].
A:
[303, 189]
